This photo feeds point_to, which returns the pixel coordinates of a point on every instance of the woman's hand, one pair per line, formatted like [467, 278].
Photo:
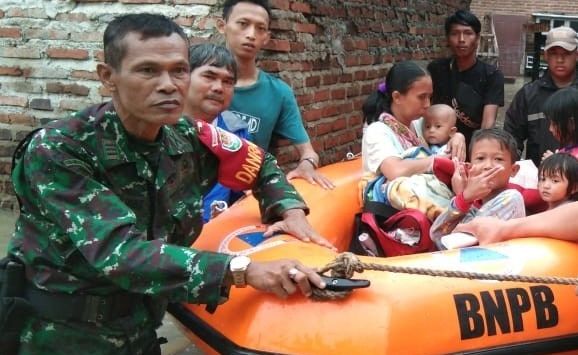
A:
[457, 147]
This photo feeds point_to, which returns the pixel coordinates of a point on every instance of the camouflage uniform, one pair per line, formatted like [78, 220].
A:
[102, 212]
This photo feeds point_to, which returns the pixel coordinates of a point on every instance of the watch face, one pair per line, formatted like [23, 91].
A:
[240, 263]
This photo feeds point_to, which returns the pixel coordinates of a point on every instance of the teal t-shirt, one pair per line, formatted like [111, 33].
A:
[269, 107]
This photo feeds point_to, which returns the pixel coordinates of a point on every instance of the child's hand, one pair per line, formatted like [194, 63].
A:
[460, 176]
[546, 154]
[480, 184]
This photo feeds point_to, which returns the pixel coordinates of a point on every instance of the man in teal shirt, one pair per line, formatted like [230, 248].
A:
[262, 100]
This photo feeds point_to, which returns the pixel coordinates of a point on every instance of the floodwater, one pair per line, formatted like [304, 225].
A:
[177, 343]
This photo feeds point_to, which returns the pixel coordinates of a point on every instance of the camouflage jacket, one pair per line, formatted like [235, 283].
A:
[102, 212]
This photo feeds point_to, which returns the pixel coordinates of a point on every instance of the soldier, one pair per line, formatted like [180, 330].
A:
[110, 200]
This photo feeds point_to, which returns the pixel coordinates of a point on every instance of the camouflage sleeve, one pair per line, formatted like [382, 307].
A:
[57, 181]
[274, 192]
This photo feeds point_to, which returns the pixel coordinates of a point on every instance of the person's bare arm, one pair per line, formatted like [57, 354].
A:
[307, 167]
[489, 116]
[562, 224]
[394, 167]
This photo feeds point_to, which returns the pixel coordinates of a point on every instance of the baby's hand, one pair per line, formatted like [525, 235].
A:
[481, 184]
[460, 176]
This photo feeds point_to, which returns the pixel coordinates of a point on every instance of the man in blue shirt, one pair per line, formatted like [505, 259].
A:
[263, 101]
[213, 75]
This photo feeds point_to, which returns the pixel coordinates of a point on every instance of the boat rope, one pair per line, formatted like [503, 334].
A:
[346, 264]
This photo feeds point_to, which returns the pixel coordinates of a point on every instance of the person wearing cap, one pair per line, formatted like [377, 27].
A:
[525, 119]
[473, 88]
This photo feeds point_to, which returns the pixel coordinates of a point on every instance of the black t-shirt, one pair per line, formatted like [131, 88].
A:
[467, 91]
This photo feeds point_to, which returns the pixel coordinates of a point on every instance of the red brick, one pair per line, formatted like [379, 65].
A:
[68, 17]
[74, 89]
[84, 74]
[280, 4]
[278, 45]
[11, 52]
[359, 75]
[312, 114]
[10, 32]
[338, 94]
[98, 56]
[323, 128]
[297, 47]
[270, 65]
[305, 99]
[281, 24]
[301, 7]
[306, 27]
[339, 124]
[322, 95]
[313, 81]
[17, 118]
[10, 71]
[65, 53]
[141, 1]
[13, 101]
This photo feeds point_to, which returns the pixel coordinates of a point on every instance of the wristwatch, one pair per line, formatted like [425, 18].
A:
[238, 267]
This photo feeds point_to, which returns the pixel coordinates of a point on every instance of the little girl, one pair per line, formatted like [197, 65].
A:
[562, 111]
[558, 179]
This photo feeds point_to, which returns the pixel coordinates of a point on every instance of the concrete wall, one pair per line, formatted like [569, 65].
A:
[332, 52]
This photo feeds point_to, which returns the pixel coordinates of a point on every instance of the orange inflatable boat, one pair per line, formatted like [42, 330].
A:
[398, 313]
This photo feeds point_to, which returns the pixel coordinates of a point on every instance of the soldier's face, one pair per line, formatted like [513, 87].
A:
[210, 92]
[150, 85]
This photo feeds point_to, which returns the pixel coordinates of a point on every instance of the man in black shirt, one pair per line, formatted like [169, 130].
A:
[524, 118]
[473, 88]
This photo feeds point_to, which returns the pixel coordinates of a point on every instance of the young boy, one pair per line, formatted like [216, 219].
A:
[438, 127]
[481, 185]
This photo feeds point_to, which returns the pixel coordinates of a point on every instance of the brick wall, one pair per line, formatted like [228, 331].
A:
[332, 52]
[524, 7]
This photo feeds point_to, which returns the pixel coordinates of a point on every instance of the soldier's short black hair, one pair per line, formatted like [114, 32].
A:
[229, 4]
[214, 55]
[505, 139]
[147, 25]
[465, 18]
[562, 164]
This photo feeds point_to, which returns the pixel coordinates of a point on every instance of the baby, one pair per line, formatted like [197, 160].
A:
[438, 127]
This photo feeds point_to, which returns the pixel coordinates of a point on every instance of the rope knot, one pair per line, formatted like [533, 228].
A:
[346, 265]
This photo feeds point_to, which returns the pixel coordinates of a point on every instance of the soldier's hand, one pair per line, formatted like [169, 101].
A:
[295, 223]
[307, 171]
[282, 277]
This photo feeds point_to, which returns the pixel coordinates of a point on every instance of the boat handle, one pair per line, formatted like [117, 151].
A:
[340, 284]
